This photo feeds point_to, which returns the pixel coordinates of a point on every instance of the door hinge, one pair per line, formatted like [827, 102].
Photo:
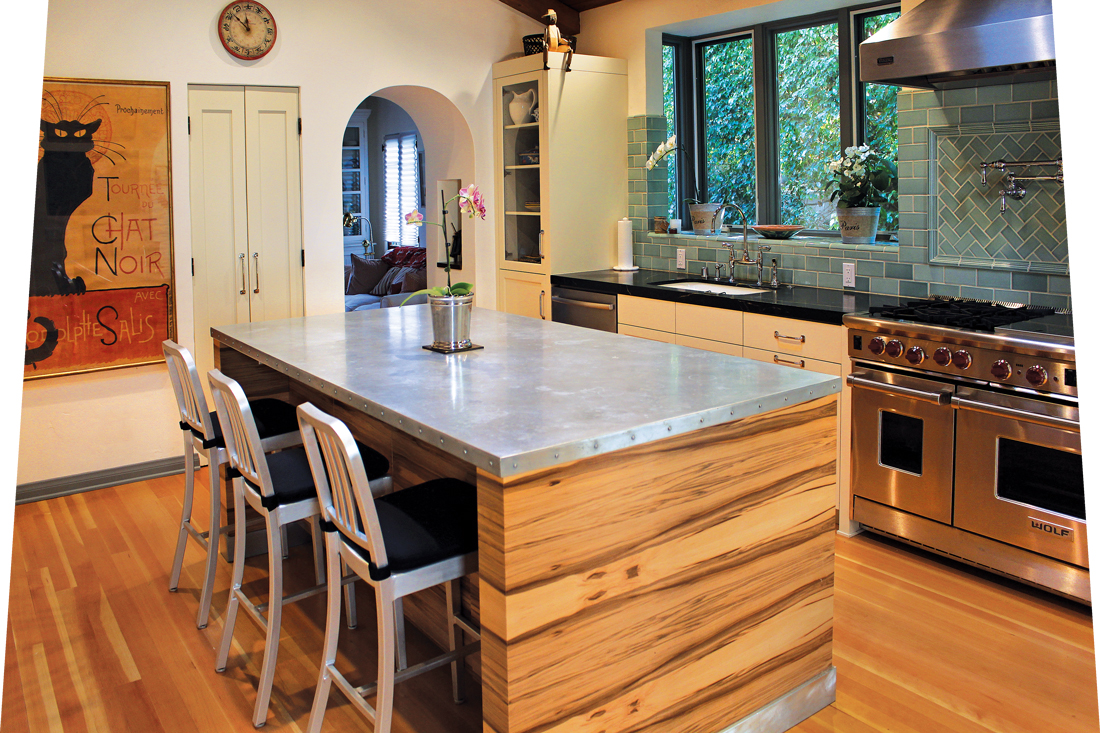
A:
[299, 125]
[303, 258]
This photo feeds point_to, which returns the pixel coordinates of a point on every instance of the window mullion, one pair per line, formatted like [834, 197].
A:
[767, 126]
[848, 81]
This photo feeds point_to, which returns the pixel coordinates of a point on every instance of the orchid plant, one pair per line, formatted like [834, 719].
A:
[471, 202]
[861, 177]
[664, 149]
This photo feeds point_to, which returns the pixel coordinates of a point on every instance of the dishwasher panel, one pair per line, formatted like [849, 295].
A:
[582, 308]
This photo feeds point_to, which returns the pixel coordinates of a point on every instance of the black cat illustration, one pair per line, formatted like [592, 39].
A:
[65, 178]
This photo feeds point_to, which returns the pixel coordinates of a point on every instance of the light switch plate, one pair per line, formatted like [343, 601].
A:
[849, 274]
[681, 259]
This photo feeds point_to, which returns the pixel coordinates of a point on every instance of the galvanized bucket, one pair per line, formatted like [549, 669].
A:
[858, 224]
[451, 321]
[706, 218]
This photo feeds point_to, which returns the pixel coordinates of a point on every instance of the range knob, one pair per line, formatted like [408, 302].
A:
[915, 355]
[1036, 376]
[942, 356]
[877, 346]
[894, 348]
[961, 359]
[1001, 369]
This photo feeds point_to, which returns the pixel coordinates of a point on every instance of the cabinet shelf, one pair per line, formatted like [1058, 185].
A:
[532, 167]
[519, 127]
[523, 213]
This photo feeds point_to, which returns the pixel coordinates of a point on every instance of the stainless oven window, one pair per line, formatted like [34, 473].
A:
[901, 442]
[1042, 477]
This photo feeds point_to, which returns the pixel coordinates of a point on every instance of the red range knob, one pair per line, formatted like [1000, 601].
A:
[942, 356]
[1036, 376]
[915, 355]
[877, 346]
[961, 359]
[894, 348]
[1001, 369]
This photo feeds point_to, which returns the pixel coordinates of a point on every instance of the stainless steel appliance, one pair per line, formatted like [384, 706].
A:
[959, 43]
[966, 436]
[582, 308]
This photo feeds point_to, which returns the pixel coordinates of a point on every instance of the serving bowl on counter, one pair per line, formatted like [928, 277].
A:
[776, 231]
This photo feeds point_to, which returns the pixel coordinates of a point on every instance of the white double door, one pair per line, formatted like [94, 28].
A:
[246, 208]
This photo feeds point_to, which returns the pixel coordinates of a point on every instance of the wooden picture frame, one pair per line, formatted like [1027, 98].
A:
[102, 281]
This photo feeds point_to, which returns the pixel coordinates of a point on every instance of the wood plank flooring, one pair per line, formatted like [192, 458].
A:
[95, 642]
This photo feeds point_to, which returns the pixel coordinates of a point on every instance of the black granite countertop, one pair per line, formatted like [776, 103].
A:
[806, 303]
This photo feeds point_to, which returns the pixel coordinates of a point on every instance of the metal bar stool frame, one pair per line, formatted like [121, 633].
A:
[256, 488]
[199, 439]
[340, 478]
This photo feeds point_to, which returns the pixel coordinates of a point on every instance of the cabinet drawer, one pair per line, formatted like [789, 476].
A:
[647, 333]
[795, 362]
[713, 324]
[802, 338]
[708, 345]
[647, 313]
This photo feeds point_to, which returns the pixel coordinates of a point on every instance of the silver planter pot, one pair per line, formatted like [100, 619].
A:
[706, 218]
[451, 321]
[858, 224]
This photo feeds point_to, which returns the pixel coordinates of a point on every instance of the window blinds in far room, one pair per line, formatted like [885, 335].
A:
[402, 187]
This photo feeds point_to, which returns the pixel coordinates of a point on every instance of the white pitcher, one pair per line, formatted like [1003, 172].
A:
[519, 109]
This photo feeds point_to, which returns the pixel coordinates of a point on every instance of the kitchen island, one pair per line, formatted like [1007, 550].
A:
[655, 522]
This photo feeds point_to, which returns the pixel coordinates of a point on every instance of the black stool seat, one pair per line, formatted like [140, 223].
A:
[293, 480]
[424, 524]
[272, 416]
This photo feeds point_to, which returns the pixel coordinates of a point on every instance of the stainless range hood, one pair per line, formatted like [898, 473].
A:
[958, 43]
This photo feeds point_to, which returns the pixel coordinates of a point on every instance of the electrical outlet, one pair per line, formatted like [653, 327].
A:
[849, 274]
[682, 259]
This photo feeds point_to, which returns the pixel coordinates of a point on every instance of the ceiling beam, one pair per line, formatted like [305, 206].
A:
[569, 20]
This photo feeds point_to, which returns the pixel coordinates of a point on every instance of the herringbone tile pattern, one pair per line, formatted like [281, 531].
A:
[969, 222]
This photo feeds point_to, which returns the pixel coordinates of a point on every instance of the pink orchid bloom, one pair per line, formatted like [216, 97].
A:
[471, 201]
[414, 218]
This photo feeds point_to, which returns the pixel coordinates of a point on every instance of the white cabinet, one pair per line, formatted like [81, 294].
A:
[561, 178]
[246, 211]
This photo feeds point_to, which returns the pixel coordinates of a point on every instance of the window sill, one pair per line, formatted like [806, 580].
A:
[808, 240]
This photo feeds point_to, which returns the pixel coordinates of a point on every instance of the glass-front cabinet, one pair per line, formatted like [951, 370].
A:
[560, 172]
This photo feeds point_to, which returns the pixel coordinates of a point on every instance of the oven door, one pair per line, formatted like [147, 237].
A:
[903, 431]
[1022, 481]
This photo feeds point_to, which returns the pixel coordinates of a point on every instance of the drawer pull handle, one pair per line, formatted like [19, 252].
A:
[799, 339]
[801, 363]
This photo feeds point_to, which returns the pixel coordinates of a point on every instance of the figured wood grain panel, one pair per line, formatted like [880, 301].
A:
[256, 379]
[678, 585]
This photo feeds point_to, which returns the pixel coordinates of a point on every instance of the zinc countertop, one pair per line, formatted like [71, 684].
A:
[538, 394]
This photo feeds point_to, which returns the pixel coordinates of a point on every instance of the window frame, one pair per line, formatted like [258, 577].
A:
[409, 234]
[689, 102]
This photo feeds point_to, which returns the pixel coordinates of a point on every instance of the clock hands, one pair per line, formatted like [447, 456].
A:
[247, 27]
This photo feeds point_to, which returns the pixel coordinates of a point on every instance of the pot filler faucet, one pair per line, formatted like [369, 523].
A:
[745, 259]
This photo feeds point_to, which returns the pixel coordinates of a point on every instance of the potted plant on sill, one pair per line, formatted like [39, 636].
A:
[451, 304]
[706, 218]
[862, 182]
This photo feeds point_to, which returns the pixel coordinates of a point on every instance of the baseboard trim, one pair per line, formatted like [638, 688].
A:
[92, 480]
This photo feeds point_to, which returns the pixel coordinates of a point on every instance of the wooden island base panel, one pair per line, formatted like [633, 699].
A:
[684, 584]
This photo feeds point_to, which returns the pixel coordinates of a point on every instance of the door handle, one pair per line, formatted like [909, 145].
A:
[582, 303]
[542, 298]
[801, 363]
[256, 262]
[244, 275]
[541, 232]
[937, 398]
[1011, 412]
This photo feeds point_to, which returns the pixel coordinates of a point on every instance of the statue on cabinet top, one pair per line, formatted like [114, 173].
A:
[554, 41]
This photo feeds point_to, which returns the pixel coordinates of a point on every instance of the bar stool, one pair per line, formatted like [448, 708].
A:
[278, 486]
[407, 541]
[277, 426]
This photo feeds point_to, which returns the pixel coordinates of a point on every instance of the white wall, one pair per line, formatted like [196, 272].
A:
[336, 58]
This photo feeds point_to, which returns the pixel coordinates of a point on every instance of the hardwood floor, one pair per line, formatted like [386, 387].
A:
[95, 641]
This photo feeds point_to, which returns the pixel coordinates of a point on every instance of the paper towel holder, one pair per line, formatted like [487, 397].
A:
[625, 246]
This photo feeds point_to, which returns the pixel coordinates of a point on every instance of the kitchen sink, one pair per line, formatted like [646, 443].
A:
[709, 287]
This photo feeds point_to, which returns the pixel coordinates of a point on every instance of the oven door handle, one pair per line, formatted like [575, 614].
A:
[859, 379]
[1000, 411]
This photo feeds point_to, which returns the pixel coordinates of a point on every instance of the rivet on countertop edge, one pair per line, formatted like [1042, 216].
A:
[441, 441]
[515, 465]
[670, 428]
[556, 455]
[465, 452]
[633, 437]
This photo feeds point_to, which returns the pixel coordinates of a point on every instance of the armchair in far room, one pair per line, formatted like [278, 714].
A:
[385, 282]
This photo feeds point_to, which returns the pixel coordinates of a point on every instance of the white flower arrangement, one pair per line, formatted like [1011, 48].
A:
[861, 177]
[664, 149]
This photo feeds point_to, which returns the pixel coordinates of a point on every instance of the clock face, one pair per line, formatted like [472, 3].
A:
[246, 29]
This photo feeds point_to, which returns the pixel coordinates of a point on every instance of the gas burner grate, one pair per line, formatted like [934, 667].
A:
[976, 315]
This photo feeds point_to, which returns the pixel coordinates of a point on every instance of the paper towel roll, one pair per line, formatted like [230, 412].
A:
[625, 248]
